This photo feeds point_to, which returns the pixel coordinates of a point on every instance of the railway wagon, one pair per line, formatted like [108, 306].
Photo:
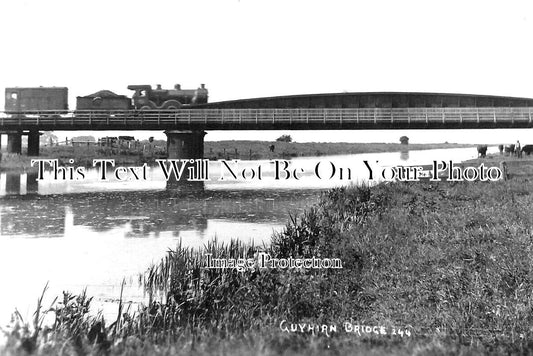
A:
[36, 99]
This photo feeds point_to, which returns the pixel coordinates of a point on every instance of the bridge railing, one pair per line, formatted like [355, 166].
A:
[281, 117]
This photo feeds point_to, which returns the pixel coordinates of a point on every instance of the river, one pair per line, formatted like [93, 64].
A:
[89, 233]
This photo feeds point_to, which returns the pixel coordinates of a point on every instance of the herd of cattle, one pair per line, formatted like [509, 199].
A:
[508, 150]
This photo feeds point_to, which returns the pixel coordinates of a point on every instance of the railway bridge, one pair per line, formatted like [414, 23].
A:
[185, 128]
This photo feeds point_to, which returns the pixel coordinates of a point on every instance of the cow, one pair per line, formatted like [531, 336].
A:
[482, 151]
[509, 149]
[527, 149]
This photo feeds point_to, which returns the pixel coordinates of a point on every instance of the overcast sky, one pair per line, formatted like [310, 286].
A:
[243, 49]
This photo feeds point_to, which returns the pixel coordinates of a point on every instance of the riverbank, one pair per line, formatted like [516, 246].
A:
[428, 268]
[213, 150]
[517, 167]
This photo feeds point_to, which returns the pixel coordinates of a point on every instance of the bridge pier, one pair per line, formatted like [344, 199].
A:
[33, 143]
[185, 145]
[14, 142]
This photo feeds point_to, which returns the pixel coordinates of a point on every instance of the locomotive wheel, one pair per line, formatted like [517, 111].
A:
[171, 105]
[145, 107]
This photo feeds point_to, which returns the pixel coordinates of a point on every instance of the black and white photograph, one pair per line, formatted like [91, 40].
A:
[252, 177]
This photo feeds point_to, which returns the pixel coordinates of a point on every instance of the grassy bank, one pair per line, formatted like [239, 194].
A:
[518, 167]
[450, 264]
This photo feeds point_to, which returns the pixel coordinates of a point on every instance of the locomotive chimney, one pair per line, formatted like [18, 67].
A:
[177, 86]
[202, 86]
[158, 87]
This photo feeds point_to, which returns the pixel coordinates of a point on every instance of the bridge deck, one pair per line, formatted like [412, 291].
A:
[272, 119]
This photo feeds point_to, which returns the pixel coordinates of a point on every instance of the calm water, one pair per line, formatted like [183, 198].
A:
[89, 233]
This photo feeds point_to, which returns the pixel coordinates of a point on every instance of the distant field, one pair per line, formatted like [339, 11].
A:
[260, 149]
[245, 150]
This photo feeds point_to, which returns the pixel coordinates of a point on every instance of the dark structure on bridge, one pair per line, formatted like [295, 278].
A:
[185, 126]
[381, 100]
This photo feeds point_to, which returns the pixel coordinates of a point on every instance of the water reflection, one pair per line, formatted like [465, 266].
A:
[32, 185]
[95, 240]
[13, 183]
[404, 154]
[146, 213]
[184, 186]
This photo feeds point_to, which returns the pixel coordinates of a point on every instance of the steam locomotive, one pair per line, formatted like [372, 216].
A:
[55, 99]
